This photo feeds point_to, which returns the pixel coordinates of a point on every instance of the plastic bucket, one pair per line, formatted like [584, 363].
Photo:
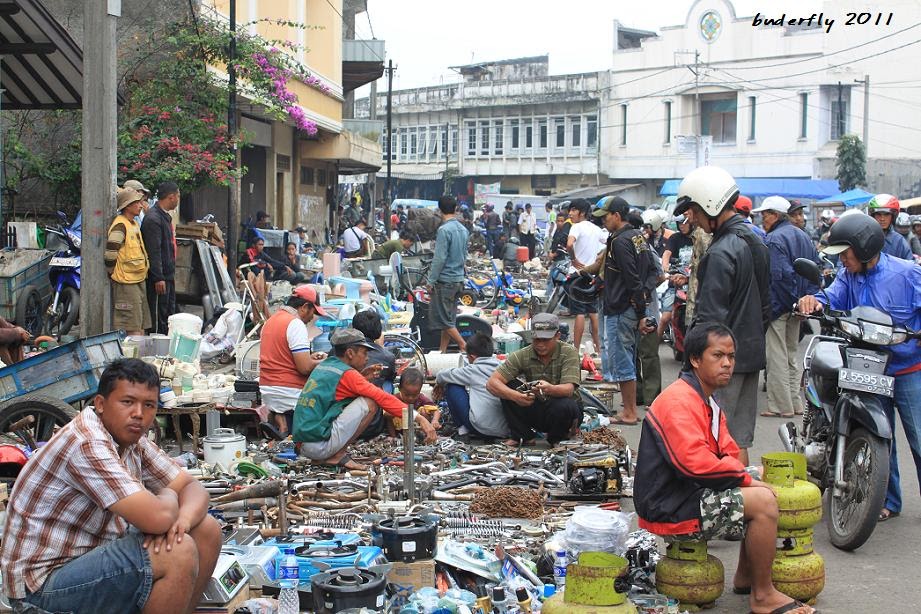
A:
[521, 254]
[185, 346]
[184, 323]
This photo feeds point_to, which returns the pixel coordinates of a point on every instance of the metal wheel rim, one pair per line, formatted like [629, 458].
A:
[33, 321]
[856, 473]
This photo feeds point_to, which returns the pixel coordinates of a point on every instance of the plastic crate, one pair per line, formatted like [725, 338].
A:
[20, 268]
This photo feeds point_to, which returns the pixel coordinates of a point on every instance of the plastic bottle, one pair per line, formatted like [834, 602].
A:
[288, 579]
[560, 561]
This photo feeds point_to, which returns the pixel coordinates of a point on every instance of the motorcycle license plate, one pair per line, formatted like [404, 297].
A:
[873, 383]
[65, 262]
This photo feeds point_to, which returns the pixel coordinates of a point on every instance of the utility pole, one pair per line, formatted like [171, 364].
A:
[866, 114]
[233, 194]
[447, 148]
[840, 117]
[372, 177]
[388, 197]
[99, 157]
[697, 118]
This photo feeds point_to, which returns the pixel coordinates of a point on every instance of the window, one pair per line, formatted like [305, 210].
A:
[433, 140]
[454, 140]
[321, 177]
[718, 119]
[529, 136]
[804, 107]
[576, 125]
[306, 175]
[386, 146]
[471, 139]
[444, 142]
[413, 143]
[499, 136]
[542, 133]
[404, 142]
[560, 124]
[591, 131]
[513, 123]
[668, 122]
[484, 138]
[751, 123]
[839, 117]
[623, 124]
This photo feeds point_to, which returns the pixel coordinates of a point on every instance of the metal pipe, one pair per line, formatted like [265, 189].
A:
[469, 468]
[409, 452]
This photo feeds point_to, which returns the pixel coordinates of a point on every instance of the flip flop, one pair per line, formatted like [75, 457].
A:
[789, 607]
[776, 414]
[270, 431]
[888, 514]
[344, 464]
[622, 422]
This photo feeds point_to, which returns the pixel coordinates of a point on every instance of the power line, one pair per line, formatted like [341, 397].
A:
[370, 27]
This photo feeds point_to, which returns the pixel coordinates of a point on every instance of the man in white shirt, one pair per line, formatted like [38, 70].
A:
[527, 229]
[585, 241]
[355, 240]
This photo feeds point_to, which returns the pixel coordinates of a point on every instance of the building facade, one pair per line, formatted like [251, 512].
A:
[770, 100]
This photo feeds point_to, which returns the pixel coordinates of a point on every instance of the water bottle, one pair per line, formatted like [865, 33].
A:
[559, 568]
[288, 598]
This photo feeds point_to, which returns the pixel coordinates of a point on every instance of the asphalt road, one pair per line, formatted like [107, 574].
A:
[881, 576]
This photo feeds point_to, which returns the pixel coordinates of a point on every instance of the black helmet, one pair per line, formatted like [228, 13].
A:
[583, 289]
[858, 231]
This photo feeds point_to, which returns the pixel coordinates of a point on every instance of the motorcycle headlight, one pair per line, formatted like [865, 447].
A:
[74, 239]
[877, 334]
[850, 328]
[899, 338]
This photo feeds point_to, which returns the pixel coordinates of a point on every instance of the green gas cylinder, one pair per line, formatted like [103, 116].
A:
[690, 575]
[558, 605]
[590, 587]
[799, 501]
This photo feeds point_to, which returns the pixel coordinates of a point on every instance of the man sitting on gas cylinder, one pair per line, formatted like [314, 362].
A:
[338, 403]
[690, 483]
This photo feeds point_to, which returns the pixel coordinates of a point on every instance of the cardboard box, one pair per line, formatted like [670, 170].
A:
[407, 578]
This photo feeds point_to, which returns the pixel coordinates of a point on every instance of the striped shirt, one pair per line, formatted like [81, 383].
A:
[58, 509]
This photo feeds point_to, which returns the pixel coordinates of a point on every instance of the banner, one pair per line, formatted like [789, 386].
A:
[480, 191]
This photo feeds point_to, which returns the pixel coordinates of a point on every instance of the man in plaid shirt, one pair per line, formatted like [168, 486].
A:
[101, 520]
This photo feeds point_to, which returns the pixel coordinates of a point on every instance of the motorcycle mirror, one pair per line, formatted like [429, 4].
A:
[809, 270]
[62, 216]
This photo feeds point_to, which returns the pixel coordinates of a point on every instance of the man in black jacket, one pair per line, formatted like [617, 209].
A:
[733, 289]
[160, 242]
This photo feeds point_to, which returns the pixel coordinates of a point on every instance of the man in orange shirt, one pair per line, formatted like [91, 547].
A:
[285, 359]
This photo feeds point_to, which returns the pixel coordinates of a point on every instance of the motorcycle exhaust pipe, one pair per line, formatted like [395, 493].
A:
[786, 433]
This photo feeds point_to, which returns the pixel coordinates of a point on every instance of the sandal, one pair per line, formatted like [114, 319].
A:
[887, 514]
[776, 414]
[346, 463]
[622, 422]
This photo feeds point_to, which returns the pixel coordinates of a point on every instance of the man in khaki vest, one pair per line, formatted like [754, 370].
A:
[127, 264]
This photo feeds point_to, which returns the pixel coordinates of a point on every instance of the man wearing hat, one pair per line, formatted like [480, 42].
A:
[126, 261]
[743, 207]
[797, 214]
[145, 205]
[338, 403]
[160, 242]
[785, 243]
[545, 396]
[285, 360]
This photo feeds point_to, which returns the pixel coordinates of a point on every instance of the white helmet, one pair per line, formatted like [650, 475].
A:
[710, 187]
[827, 215]
[902, 219]
[652, 219]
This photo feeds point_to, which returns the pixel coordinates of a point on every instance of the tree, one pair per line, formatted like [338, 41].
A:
[851, 163]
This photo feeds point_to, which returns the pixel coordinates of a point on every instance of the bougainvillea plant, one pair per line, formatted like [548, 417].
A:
[175, 123]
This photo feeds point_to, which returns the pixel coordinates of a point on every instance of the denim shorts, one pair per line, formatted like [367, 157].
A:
[443, 310]
[621, 336]
[116, 577]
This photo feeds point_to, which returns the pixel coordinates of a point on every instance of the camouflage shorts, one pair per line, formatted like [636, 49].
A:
[722, 514]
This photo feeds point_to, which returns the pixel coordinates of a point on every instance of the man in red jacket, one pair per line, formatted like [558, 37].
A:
[690, 483]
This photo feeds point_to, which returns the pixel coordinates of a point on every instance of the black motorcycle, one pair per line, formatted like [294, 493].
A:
[845, 434]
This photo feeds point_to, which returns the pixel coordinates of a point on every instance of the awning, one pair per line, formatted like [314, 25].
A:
[912, 204]
[851, 198]
[419, 172]
[592, 193]
[353, 153]
[788, 188]
[42, 66]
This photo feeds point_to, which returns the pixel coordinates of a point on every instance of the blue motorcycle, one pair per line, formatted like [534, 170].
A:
[64, 309]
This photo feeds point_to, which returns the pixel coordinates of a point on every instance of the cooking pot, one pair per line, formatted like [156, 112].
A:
[223, 447]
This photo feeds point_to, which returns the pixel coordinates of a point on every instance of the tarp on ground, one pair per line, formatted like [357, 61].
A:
[851, 198]
[788, 188]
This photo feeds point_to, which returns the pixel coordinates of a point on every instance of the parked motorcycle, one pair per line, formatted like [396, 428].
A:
[677, 328]
[845, 433]
[560, 271]
[64, 309]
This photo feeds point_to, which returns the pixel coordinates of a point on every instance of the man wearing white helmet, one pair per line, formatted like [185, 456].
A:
[733, 289]
[825, 221]
[885, 208]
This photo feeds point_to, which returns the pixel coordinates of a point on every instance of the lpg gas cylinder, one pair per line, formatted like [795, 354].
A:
[798, 571]
[557, 605]
[690, 575]
[799, 501]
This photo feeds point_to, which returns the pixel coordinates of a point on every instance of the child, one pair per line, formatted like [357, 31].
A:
[411, 393]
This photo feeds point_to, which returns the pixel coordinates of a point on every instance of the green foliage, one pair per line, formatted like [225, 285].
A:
[851, 162]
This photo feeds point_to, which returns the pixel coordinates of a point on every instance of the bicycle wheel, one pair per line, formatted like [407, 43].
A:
[407, 352]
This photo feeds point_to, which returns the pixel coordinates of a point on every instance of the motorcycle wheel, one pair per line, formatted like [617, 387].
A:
[491, 296]
[50, 413]
[556, 297]
[853, 516]
[468, 298]
[30, 310]
[65, 316]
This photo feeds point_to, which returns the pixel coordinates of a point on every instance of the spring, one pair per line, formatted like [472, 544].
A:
[326, 520]
[475, 531]
[460, 524]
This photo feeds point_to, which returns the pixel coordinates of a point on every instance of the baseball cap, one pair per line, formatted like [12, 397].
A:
[774, 203]
[612, 204]
[796, 204]
[545, 325]
[744, 204]
[309, 294]
[127, 196]
[349, 337]
[134, 184]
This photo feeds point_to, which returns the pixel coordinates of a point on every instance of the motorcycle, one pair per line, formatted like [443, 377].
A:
[845, 433]
[677, 328]
[64, 309]
[560, 271]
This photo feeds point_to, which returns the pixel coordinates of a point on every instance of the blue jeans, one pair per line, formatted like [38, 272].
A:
[459, 405]
[116, 577]
[492, 237]
[908, 402]
[621, 336]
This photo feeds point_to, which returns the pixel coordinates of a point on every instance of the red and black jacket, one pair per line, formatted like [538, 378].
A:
[685, 447]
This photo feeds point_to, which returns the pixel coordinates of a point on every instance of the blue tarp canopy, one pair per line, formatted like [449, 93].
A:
[788, 188]
[851, 198]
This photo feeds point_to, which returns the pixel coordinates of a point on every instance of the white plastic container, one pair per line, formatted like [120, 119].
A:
[185, 323]
[224, 447]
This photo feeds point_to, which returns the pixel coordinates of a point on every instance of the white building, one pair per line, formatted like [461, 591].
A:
[768, 96]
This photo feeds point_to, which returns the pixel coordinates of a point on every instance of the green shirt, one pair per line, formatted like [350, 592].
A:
[386, 250]
[317, 407]
[564, 366]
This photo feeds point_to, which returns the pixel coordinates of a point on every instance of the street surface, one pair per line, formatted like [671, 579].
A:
[880, 576]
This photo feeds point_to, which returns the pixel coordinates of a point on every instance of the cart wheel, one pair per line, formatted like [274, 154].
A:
[468, 298]
[29, 308]
[48, 412]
